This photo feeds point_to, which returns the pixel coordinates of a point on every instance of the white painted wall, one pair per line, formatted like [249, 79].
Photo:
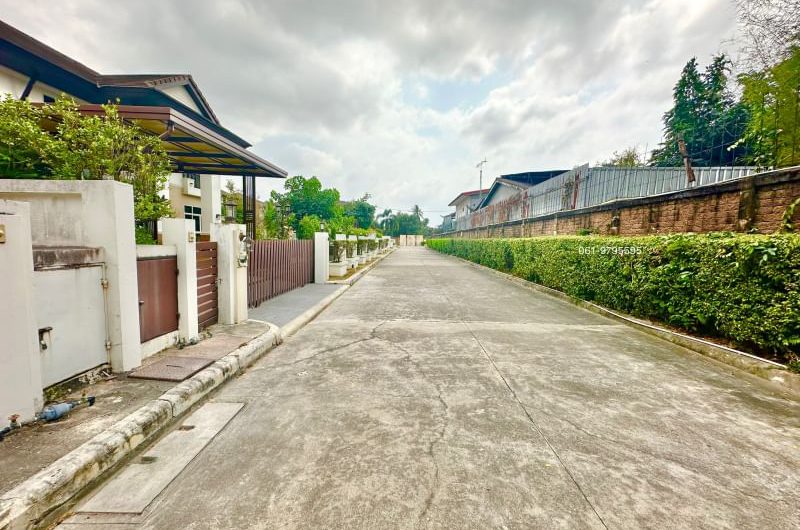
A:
[211, 201]
[96, 213]
[179, 93]
[20, 372]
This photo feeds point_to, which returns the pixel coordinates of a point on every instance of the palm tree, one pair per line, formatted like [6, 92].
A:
[385, 219]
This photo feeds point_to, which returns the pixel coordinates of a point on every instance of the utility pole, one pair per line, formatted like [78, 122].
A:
[480, 177]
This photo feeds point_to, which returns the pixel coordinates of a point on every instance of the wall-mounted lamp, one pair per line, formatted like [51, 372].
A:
[230, 212]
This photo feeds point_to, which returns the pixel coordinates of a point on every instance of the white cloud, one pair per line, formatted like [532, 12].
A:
[318, 86]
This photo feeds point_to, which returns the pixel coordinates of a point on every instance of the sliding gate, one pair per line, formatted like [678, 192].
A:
[277, 266]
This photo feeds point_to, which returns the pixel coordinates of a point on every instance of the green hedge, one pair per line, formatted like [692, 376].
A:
[743, 288]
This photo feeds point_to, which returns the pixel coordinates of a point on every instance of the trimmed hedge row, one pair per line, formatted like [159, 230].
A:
[743, 288]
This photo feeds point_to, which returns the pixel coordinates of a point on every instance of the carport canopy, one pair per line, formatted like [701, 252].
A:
[192, 146]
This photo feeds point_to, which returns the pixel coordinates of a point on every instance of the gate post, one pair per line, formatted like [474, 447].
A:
[180, 234]
[321, 257]
[232, 293]
[20, 377]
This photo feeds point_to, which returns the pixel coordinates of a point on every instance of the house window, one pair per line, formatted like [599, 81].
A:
[193, 212]
[49, 99]
[194, 178]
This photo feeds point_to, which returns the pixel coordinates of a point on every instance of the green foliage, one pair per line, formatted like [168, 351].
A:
[83, 147]
[144, 237]
[772, 98]
[706, 115]
[362, 211]
[307, 197]
[742, 288]
[307, 226]
[628, 157]
[395, 224]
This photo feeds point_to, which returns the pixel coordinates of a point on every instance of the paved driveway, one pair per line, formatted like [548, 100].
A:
[436, 395]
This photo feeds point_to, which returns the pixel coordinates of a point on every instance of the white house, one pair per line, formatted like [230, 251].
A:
[169, 105]
[467, 202]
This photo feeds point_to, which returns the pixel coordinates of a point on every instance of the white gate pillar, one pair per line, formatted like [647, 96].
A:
[321, 257]
[20, 376]
[232, 267]
[180, 234]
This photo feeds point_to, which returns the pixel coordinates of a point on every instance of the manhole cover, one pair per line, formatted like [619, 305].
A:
[172, 368]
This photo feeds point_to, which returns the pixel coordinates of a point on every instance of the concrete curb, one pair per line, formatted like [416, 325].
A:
[310, 314]
[771, 371]
[32, 501]
[39, 497]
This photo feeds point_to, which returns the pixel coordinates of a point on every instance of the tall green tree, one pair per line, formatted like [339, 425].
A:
[706, 116]
[773, 99]
[307, 197]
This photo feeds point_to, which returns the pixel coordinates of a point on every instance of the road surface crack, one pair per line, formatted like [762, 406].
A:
[431, 450]
[372, 336]
[521, 405]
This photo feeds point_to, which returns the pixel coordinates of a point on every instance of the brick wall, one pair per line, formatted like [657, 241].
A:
[753, 203]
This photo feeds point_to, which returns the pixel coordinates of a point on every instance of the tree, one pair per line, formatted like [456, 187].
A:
[362, 211]
[773, 99]
[307, 197]
[628, 157]
[406, 223]
[307, 226]
[84, 147]
[706, 116]
[771, 29]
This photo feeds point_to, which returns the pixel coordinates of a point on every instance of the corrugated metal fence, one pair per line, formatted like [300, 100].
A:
[583, 187]
[277, 266]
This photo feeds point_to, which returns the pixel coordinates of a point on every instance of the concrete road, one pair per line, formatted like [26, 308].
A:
[436, 395]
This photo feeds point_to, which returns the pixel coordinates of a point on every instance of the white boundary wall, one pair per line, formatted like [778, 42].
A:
[97, 214]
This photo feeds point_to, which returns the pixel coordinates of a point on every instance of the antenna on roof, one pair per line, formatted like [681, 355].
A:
[480, 178]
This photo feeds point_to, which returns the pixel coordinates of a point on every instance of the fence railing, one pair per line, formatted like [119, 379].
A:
[277, 266]
[584, 187]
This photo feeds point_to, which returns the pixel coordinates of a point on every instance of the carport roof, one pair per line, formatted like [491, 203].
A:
[192, 147]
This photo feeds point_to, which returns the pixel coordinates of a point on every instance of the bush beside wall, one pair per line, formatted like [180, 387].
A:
[743, 288]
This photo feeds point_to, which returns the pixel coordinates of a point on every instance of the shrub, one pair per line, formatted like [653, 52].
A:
[743, 288]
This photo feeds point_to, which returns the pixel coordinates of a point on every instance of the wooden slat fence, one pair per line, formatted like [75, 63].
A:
[207, 271]
[277, 266]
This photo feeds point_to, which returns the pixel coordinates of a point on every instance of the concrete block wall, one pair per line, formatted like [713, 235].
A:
[756, 203]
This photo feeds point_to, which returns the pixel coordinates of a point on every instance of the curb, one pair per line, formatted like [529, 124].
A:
[762, 368]
[32, 501]
[310, 314]
[36, 499]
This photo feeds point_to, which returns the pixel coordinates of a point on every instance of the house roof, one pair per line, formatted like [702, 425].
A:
[41, 63]
[500, 181]
[519, 181]
[467, 194]
[531, 178]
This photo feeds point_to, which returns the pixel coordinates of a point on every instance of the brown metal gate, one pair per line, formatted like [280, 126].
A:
[207, 283]
[158, 296]
[277, 266]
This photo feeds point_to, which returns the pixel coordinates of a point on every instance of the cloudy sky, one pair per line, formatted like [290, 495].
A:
[402, 99]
